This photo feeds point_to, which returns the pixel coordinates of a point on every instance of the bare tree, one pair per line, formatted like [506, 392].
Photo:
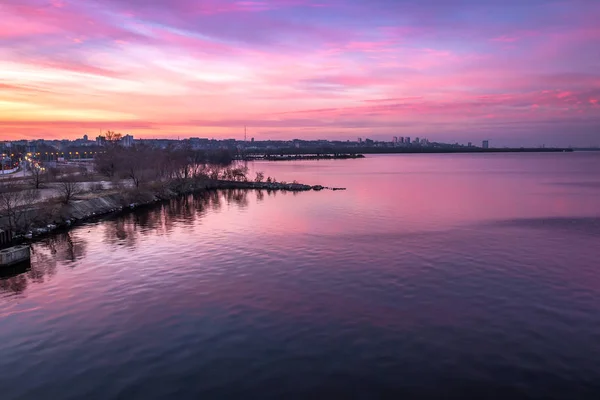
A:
[15, 206]
[199, 164]
[37, 174]
[260, 176]
[144, 164]
[112, 137]
[214, 172]
[110, 162]
[68, 189]
[240, 174]
[138, 164]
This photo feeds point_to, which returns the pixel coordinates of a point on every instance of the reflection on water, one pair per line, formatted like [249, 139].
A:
[462, 276]
[45, 256]
[586, 226]
[13, 278]
[124, 230]
[160, 220]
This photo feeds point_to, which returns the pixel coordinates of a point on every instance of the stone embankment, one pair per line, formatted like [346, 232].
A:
[297, 157]
[14, 255]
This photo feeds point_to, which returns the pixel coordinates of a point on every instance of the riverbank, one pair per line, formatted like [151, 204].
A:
[48, 217]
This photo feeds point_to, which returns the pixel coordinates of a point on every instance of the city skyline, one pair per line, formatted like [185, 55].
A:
[454, 70]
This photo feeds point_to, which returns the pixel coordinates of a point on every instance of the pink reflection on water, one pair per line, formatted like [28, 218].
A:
[440, 191]
[184, 251]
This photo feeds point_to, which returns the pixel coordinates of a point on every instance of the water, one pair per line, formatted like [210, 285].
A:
[431, 276]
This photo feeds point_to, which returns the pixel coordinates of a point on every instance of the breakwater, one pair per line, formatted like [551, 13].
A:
[292, 187]
[292, 157]
[312, 153]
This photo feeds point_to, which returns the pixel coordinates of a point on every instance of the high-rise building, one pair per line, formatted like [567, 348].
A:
[127, 141]
[470, 144]
[395, 140]
[485, 144]
[402, 139]
[407, 140]
[85, 137]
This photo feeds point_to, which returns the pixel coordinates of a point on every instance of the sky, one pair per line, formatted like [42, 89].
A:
[516, 72]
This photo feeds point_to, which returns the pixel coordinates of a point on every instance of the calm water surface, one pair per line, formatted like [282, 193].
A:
[431, 276]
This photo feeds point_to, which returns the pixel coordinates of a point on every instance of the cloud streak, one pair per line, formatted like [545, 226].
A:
[506, 70]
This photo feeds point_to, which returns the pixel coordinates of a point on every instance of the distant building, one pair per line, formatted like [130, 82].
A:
[485, 144]
[85, 138]
[199, 143]
[127, 141]
[101, 141]
[470, 144]
[407, 140]
[395, 140]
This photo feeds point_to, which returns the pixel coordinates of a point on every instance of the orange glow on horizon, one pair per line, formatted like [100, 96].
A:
[69, 68]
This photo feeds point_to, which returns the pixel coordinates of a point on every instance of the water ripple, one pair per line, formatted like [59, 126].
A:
[440, 286]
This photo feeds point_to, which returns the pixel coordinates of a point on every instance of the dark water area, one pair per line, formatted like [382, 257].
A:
[432, 276]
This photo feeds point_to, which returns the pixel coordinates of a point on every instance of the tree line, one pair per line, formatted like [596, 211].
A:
[145, 167]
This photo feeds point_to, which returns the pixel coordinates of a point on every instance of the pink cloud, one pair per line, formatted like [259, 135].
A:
[291, 66]
[57, 3]
[20, 88]
[505, 39]
[394, 100]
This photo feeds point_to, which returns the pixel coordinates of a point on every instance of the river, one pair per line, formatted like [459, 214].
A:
[473, 275]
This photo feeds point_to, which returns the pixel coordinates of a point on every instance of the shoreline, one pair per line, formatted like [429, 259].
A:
[83, 210]
[359, 152]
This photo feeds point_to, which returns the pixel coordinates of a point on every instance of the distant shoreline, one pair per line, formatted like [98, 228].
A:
[359, 152]
[426, 150]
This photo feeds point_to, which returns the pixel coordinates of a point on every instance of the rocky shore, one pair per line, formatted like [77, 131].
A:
[292, 187]
[294, 157]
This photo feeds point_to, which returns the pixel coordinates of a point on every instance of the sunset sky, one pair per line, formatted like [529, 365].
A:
[512, 71]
